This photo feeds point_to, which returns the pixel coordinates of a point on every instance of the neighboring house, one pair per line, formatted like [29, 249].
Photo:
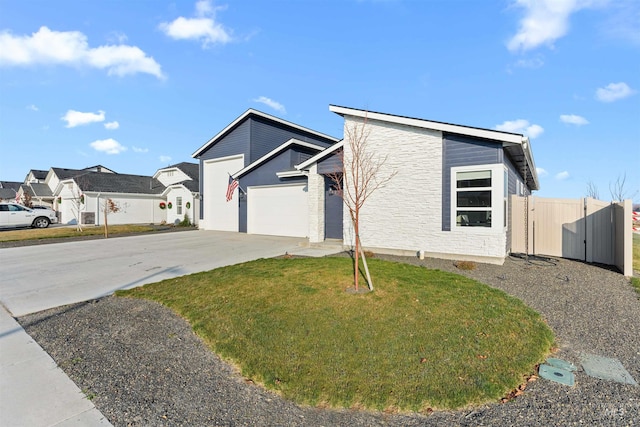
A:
[448, 199]
[182, 182]
[260, 151]
[82, 197]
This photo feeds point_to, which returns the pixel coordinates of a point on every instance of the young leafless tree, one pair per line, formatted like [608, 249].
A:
[592, 190]
[109, 206]
[359, 178]
[618, 189]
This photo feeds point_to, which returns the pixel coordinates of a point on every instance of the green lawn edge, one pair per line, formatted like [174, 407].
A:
[425, 339]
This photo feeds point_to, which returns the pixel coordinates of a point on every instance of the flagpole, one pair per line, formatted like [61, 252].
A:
[239, 187]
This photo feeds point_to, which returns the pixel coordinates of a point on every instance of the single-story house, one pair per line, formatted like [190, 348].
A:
[182, 191]
[259, 152]
[449, 192]
[448, 196]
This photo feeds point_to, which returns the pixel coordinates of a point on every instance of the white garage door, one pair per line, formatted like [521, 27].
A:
[278, 210]
[218, 213]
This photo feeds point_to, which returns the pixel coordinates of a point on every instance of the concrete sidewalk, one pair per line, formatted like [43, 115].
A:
[34, 391]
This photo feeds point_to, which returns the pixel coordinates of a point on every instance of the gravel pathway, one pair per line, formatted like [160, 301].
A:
[142, 365]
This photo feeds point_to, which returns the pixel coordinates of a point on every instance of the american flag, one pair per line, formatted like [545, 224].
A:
[17, 197]
[233, 184]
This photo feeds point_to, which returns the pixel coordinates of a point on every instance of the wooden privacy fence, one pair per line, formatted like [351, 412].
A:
[584, 229]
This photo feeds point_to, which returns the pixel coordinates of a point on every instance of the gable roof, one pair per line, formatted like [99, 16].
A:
[256, 113]
[192, 170]
[516, 145]
[38, 174]
[13, 185]
[64, 173]
[119, 183]
[37, 189]
[274, 152]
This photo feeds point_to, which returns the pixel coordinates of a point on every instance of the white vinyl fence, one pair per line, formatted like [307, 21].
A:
[585, 229]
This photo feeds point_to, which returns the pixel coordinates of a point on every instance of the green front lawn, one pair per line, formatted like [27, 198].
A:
[65, 232]
[424, 339]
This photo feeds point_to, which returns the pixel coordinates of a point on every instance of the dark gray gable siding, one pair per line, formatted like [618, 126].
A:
[267, 136]
[237, 141]
[460, 150]
[330, 164]
[266, 175]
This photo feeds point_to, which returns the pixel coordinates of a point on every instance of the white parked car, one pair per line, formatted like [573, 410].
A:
[15, 215]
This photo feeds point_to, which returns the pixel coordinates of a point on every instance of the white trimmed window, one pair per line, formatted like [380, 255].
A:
[178, 205]
[478, 197]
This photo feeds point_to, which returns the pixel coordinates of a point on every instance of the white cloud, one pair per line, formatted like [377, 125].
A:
[271, 104]
[561, 176]
[541, 172]
[139, 150]
[78, 118]
[545, 21]
[112, 125]
[71, 48]
[521, 126]
[32, 107]
[165, 159]
[573, 119]
[203, 27]
[109, 146]
[613, 92]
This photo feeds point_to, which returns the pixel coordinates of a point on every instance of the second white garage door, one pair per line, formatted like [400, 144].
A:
[278, 210]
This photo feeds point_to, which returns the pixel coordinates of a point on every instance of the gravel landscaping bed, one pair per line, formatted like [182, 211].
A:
[142, 365]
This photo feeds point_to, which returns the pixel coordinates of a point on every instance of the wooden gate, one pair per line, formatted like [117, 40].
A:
[584, 229]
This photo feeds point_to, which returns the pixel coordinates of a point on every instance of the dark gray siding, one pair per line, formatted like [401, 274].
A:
[265, 174]
[463, 151]
[330, 164]
[333, 210]
[267, 135]
[235, 142]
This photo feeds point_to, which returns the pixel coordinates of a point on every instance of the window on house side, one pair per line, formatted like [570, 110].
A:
[473, 198]
[179, 205]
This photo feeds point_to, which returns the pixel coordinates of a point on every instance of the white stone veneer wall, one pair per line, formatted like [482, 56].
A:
[405, 216]
[316, 205]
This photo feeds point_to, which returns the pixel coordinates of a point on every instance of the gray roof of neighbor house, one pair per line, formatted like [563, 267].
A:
[36, 189]
[191, 169]
[119, 183]
[38, 174]
[64, 173]
[7, 193]
[13, 185]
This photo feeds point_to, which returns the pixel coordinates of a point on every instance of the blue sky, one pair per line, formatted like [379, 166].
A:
[138, 85]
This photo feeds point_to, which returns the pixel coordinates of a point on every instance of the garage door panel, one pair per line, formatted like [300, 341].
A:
[218, 213]
[278, 210]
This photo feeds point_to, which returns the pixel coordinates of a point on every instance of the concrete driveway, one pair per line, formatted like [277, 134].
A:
[39, 277]
[34, 391]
